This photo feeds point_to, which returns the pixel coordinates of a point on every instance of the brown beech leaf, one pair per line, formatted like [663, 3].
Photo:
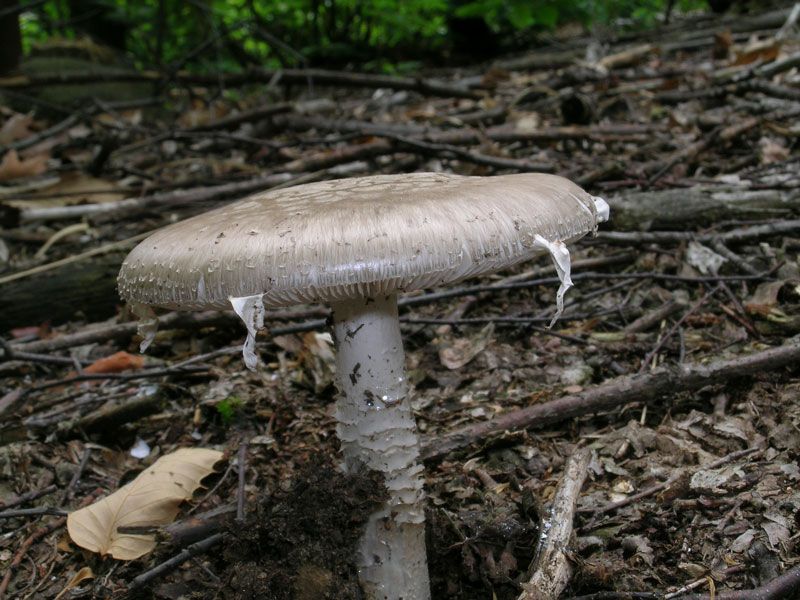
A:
[11, 167]
[79, 577]
[152, 499]
[16, 128]
[116, 363]
[459, 352]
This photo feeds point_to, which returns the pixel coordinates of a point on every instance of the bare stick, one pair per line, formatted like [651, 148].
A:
[33, 512]
[242, 466]
[674, 328]
[657, 383]
[67, 494]
[780, 587]
[27, 497]
[550, 570]
[174, 562]
[36, 535]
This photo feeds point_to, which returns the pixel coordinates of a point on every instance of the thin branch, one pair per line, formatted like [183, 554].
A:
[173, 563]
[657, 383]
[675, 327]
[551, 569]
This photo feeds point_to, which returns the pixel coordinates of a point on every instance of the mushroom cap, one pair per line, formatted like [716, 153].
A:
[356, 237]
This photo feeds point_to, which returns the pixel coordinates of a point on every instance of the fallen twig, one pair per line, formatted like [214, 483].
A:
[27, 497]
[618, 392]
[550, 570]
[741, 234]
[675, 327]
[36, 535]
[780, 587]
[33, 512]
[174, 562]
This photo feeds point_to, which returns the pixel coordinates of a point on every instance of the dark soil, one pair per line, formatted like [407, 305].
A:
[298, 543]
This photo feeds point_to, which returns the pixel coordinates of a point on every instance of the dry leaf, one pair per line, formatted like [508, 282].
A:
[79, 577]
[762, 50]
[116, 363]
[463, 350]
[16, 128]
[773, 151]
[12, 167]
[318, 359]
[71, 188]
[152, 499]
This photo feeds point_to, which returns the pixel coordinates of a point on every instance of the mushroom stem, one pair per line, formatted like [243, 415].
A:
[378, 432]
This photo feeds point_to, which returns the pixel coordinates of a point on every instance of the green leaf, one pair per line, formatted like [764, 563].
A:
[521, 15]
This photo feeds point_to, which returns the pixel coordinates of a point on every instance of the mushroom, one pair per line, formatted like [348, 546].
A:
[356, 243]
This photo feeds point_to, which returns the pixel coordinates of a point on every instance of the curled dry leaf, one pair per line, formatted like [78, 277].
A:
[152, 499]
[116, 363]
[79, 577]
[11, 167]
[16, 128]
[461, 351]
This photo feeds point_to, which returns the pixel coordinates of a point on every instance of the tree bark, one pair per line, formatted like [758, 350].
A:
[86, 288]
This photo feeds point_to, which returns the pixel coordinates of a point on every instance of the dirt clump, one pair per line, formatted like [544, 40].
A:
[299, 542]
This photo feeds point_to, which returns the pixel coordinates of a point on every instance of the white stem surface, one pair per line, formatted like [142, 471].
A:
[378, 432]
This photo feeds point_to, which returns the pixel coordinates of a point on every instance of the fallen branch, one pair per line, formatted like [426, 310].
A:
[27, 497]
[550, 569]
[252, 76]
[740, 234]
[782, 586]
[133, 205]
[700, 205]
[618, 392]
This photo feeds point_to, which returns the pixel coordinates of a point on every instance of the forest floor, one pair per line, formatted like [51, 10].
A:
[670, 386]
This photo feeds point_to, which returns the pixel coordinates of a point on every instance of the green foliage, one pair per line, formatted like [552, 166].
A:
[503, 15]
[226, 409]
[33, 27]
[519, 14]
[370, 34]
[632, 13]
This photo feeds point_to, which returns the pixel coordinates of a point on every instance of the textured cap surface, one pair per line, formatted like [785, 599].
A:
[356, 237]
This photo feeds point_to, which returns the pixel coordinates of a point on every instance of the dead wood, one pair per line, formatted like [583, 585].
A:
[13, 217]
[248, 116]
[783, 586]
[740, 234]
[122, 332]
[501, 134]
[115, 413]
[551, 569]
[665, 484]
[188, 531]
[28, 496]
[657, 383]
[74, 291]
[330, 158]
[655, 316]
[195, 549]
[293, 76]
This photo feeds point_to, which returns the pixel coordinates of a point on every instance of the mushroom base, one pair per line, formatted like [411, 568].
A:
[378, 432]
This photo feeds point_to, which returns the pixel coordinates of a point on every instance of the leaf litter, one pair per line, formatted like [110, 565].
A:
[695, 489]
